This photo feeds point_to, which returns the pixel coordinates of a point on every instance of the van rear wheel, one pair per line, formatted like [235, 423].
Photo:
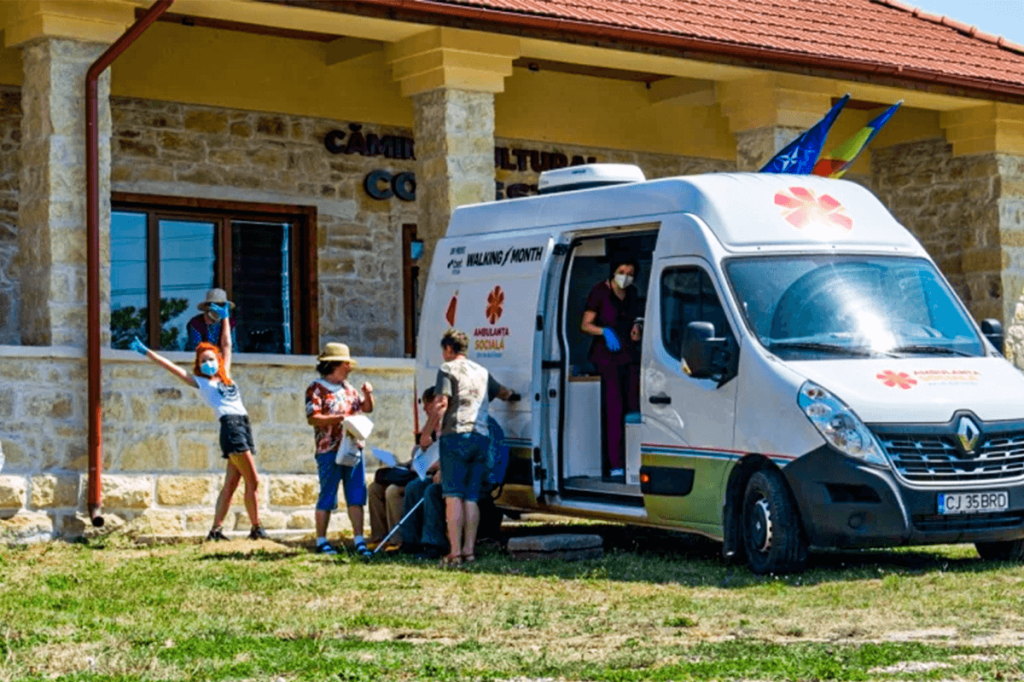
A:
[1009, 550]
[772, 535]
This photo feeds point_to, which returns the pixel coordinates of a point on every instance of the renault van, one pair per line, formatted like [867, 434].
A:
[808, 378]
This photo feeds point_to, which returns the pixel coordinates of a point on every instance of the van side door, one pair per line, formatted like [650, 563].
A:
[687, 446]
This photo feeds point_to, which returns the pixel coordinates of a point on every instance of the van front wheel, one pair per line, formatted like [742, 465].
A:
[771, 526]
[1009, 550]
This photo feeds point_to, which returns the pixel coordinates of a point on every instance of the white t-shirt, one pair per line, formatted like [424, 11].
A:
[224, 399]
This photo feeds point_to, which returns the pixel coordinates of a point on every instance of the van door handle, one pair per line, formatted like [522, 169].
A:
[660, 400]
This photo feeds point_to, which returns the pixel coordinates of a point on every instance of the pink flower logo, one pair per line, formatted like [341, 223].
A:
[802, 208]
[892, 379]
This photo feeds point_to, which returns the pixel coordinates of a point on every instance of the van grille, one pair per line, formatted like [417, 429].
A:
[998, 521]
[936, 459]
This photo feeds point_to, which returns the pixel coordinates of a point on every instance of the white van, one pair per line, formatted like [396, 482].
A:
[808, 377]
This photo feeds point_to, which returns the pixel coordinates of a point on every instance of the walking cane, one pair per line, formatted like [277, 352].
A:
[394, 529]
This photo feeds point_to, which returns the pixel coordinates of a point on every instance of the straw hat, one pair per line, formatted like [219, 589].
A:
[218, 296]
[335, 352]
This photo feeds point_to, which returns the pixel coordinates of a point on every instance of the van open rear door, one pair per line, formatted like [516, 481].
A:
[491, 287]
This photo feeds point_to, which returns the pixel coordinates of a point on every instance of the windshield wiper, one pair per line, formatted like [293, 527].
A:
[930, 350]
[827, 347]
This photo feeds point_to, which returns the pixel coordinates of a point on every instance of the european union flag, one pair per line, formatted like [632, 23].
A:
[799, 156]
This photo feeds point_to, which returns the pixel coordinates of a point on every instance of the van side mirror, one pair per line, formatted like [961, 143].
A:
[708, 357]
[993, 331]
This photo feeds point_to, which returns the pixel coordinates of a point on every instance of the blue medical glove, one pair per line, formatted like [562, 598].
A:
[223, 310]
[611, 340]
[138, 346]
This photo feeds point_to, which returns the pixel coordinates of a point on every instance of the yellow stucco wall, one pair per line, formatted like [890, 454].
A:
[214, 67]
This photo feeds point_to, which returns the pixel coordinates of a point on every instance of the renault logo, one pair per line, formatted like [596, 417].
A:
[967, 433]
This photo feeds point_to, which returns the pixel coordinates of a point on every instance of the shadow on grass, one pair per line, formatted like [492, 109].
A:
[634, 554]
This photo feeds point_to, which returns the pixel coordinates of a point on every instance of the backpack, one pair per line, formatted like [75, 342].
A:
[497, 455]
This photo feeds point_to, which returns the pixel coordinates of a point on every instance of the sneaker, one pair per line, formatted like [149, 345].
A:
[257, 533]
[216, 535]
[326, 548]
[362, 550]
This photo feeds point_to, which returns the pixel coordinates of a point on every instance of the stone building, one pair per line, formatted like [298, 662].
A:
[294, 152]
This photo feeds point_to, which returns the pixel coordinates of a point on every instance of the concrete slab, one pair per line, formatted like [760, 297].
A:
[564, 547]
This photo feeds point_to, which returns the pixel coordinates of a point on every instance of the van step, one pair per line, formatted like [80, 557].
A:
[594, 485]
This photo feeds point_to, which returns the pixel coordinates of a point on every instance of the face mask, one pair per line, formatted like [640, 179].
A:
[209, 368]
[213, 316]
[623, 280]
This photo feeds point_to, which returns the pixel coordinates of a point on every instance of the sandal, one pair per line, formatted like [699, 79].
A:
[362, 550]
[326, 548]
[451, 561]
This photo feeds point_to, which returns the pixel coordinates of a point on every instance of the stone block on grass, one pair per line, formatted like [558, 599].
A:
[563, 547]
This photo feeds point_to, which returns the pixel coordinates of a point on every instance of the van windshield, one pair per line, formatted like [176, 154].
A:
[828, 306]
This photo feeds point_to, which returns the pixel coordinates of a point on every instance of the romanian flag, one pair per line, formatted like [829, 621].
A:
[839, 160]
[799, 156]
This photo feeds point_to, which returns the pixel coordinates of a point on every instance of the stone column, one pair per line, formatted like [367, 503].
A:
[769, 111]
[451, 76]
[755, 148]
[454, 132]
[51, 209]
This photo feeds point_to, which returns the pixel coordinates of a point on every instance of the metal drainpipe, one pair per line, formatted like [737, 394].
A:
[92, 226]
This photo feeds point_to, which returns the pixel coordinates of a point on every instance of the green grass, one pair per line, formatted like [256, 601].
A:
[657, 607]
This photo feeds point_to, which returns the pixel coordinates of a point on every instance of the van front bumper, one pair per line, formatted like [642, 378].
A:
[846, 503]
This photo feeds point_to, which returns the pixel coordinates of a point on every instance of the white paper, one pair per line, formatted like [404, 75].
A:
[350, 451]
[424, 459]
[359, 426]
[385, 457]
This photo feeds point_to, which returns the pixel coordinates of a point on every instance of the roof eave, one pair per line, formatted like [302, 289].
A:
[425, 10]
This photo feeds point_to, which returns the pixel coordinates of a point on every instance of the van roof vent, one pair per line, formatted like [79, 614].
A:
[585, 177]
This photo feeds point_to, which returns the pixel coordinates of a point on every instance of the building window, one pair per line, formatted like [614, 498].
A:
[167, 252]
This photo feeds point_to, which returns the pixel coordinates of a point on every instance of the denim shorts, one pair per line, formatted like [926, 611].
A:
[352, 479]
[235, 435]
[464, 464]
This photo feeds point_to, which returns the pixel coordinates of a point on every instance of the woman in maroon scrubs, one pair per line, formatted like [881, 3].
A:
[612, 316]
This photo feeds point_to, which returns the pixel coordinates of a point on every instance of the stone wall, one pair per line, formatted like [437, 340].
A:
[10, 171]
[184, 150]
[952, 205]
[162, 467]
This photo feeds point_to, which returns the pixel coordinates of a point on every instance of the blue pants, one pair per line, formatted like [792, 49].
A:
[426, 526]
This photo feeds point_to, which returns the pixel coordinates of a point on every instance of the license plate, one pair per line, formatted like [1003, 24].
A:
[974, 503]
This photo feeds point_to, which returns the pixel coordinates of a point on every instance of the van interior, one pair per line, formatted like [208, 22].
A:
[583, 460]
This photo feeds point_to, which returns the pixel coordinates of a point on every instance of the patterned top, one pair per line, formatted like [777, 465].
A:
[469, 388]
[326, 398]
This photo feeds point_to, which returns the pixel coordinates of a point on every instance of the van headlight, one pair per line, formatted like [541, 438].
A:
[839, 426]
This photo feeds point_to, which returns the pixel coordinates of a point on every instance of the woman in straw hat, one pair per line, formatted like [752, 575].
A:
[205, 327]
[329, 400]
[211, 375]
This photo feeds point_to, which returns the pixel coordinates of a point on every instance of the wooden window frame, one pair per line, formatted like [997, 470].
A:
[305, 319]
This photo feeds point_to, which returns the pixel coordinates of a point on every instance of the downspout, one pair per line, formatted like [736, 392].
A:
[92, 227]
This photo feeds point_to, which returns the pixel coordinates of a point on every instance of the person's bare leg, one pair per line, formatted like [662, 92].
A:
[472, 523]
[355, 515]
[247, 467]
[231, 478]
[453, 510]
[323, 518]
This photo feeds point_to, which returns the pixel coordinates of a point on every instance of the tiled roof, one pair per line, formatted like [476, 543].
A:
[886, 36]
